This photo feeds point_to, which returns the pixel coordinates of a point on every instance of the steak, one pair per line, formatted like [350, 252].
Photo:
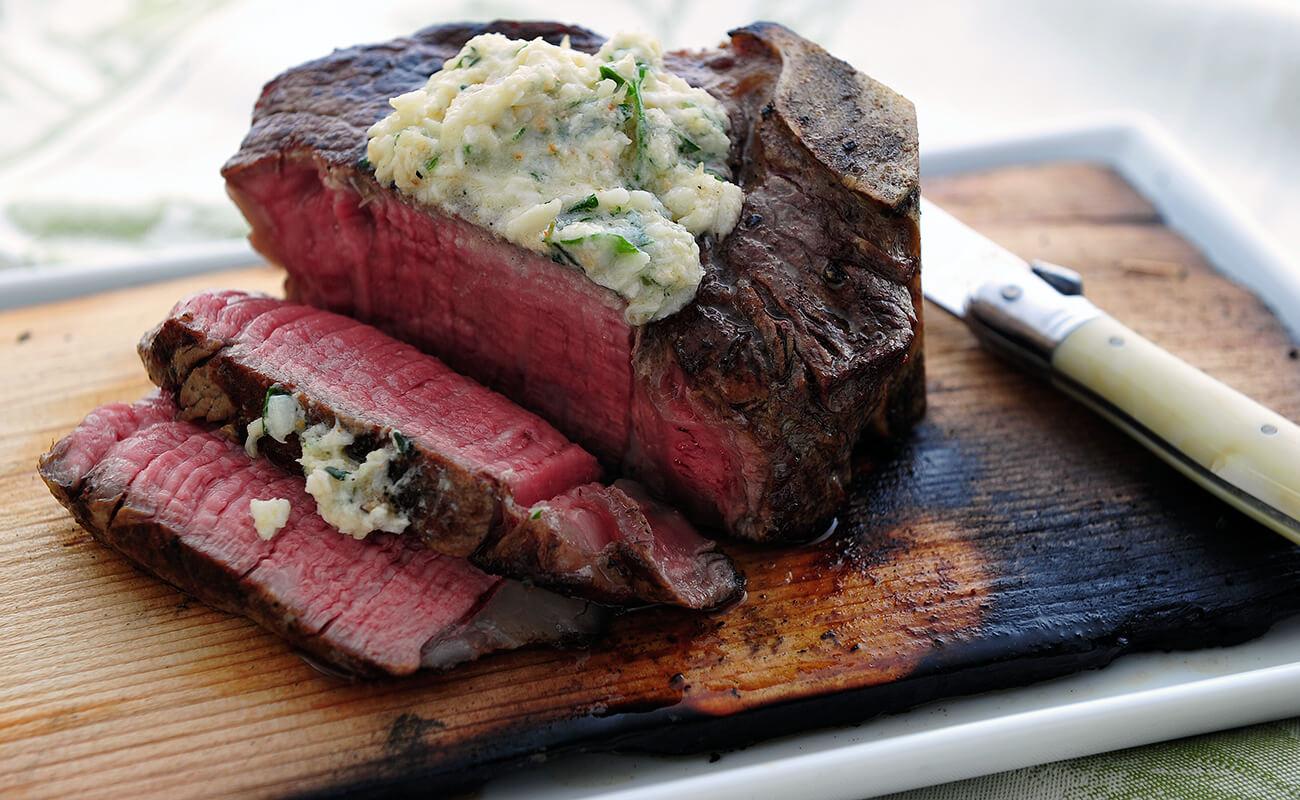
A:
[174, 498]
[477, 476]
[804, 337]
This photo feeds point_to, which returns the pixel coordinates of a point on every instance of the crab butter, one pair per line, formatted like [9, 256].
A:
[607, 163]
[356, 497]
[269, 516]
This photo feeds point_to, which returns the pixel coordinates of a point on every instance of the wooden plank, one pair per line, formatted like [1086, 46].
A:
[1012, 538]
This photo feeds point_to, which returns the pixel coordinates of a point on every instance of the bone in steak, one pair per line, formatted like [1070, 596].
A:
[479, 476]
[743, 408]
[174, 498]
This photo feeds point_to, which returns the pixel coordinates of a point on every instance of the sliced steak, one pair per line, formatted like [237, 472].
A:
[174, 498]
[804, 337]
[476, 475]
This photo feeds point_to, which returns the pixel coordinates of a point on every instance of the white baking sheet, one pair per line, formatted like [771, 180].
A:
[1137, 700]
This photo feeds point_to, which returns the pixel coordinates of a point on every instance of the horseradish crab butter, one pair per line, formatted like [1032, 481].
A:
[607, 163]
[353, 496]
[269, 516]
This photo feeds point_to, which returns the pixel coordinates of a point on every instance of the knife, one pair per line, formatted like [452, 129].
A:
[1035, 315]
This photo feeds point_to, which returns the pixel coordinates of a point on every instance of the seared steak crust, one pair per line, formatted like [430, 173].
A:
[806, 330]
[805, 334]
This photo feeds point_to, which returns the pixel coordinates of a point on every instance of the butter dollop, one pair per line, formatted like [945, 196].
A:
[269, 516]
[606, 162]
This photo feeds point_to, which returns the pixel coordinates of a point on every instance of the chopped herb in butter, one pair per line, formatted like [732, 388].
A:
[269, 516]
[607, 163]
[402, 443]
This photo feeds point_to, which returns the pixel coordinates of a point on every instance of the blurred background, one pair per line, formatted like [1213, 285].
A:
[119, 113]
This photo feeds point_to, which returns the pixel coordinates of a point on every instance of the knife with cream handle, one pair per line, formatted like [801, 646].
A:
[1036, 315]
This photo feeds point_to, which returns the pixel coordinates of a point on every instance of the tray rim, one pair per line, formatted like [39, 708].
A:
[29, 285]
[1146, 155]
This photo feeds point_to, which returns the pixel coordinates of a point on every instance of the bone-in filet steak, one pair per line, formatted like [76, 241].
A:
[476, 475]
[803, 338]
[174, 498]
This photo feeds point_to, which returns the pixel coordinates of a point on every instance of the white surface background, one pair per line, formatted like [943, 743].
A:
[127, 107]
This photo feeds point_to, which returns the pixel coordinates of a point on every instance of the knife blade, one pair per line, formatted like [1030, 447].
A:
[1035, 315]
[956, 259]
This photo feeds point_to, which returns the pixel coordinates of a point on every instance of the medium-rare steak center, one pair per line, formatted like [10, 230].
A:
[174, 498]
[390, 439]
[743, 407]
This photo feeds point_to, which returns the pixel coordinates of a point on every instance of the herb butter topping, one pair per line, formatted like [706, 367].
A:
[606, 162]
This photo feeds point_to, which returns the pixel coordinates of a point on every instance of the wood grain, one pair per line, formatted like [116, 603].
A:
[1012, 538]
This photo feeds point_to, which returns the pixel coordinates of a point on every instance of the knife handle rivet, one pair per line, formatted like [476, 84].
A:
[1011, 292]
[1268, 429]
[1116, 341]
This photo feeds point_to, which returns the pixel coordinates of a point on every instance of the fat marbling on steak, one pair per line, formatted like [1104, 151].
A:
[477, 476]
[743, 408]
[174, 498]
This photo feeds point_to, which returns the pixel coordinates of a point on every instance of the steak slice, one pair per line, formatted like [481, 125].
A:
[174, 498]
[478, 476]
[743, 408]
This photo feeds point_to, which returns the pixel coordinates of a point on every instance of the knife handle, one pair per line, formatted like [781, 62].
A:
[1231, 445]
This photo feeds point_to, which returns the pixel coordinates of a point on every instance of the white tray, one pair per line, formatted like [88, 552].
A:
[1137, 700]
